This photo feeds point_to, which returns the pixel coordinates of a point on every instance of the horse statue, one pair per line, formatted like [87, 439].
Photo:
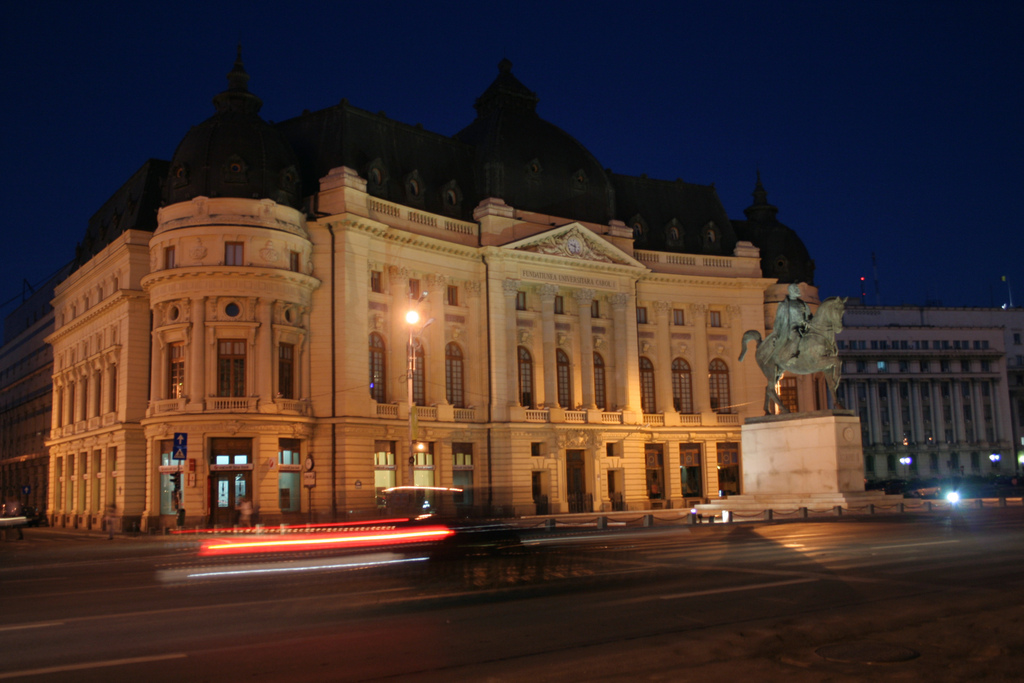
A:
[815, 352]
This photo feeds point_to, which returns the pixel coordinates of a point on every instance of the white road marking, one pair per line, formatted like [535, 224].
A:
[90, 665]
[909, 545]
[716, 591]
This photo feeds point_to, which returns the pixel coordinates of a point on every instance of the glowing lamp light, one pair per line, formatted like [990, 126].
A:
[995, 457]
[412, 317]
[953, 497]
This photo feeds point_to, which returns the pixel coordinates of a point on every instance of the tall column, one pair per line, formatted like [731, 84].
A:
[303, 362]
[434, 351]
[663, 374]
[195, 371]
[627, 377]
[511, 290]
[583, 299]
[701, 388]
[549, 344]
[265, 350]
[155, 354]
[957, 402]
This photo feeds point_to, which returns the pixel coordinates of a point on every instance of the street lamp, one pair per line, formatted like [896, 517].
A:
[905, 461]
[995, 458]
[412, 318]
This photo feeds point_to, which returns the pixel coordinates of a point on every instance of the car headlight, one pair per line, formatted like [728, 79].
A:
[953, 497]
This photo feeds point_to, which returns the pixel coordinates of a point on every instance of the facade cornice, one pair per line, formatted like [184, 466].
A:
[90, 316]
[235, 274]
[399, 236]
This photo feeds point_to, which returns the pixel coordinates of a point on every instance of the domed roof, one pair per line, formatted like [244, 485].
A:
[530, 163]
[234, 153]
[783, 254]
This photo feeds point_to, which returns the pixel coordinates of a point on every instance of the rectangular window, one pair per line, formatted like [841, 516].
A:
[728, 468]
[170, 481]
[715, 318]
[289, 491]
[375, 281]
[453, 295]
[423, 464]
[176, 370]
[231, 367]
[286, 370]
[414, 289]
[233, 254]
[559, 304]
[293, 261]
[168, 257]
[462, 472]
[113, 389]
[1016, 337]
[383, 468]
[924, 366]
[641, 314]
[595, 308]
[787, 392]
[535, 447]
[520, 301]
[678, 317]
[691, 479]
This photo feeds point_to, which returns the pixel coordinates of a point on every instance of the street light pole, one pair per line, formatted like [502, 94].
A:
[412, 317]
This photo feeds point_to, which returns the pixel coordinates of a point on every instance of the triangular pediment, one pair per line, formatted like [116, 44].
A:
[574, 241]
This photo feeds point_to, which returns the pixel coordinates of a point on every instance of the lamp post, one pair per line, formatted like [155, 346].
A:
[905, 461]
[995, 458]
[412, 318]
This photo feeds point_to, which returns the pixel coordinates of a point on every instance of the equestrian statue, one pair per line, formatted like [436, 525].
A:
[800, 344]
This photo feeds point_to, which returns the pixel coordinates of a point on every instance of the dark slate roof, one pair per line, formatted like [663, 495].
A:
[389, 154]
[132, 207]
[234, 153]
[653, 207]
[783, 254]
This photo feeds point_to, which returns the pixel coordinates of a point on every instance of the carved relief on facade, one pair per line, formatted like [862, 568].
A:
[599, 343]
[436, 282]
[525, 337]
[547, 292]
[455, 332]
[570, 244]
[397, 275]
[662, 307]
[511, 287]
[269, 252]
[473, 289]
[197, 252]
[619, 300]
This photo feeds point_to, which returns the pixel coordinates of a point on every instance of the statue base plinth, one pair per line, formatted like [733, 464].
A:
[801, 460]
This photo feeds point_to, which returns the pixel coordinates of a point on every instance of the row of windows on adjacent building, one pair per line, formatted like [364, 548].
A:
[923, 412]
[914, 344]
[923, 365]
[933, 461]
[681, 378]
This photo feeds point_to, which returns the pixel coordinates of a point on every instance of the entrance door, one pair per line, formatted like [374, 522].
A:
[576, 483]
[227, 491]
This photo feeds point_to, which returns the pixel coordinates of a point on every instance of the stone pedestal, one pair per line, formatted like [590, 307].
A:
[800, 460]
[817, 452]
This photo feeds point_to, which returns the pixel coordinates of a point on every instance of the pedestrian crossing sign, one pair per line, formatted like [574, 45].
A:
[180, 449]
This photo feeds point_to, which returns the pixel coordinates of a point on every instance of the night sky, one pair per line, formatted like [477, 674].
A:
[892, 128]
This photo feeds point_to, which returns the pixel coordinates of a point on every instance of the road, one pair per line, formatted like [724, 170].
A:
[888, 597]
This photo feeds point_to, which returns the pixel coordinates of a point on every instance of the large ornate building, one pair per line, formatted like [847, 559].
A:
[939, 391]
[576, 347]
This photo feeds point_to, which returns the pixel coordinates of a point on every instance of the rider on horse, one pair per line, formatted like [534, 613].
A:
[791, 319]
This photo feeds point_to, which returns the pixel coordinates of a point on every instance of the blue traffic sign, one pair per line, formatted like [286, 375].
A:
[180, 451]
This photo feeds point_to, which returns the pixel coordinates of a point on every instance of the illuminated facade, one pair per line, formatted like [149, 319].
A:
[576, 351]
[939, 391]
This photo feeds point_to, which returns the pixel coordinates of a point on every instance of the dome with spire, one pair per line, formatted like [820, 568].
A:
[530, 163]
[783, 254]
[234, 153]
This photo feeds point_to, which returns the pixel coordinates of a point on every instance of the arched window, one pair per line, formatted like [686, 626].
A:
[419, 385]
[718, 379]
[378, 369]
[647, 402]
[453, 375]
[525, 378]
[682, 388]
[564, 375]
[600, 398]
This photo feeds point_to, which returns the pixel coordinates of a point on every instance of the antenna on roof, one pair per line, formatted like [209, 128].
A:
[874, 268]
